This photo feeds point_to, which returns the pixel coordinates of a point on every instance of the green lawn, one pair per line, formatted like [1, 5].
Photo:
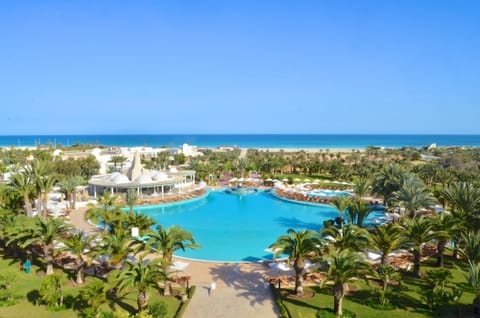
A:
[26, 285]
[407, 299]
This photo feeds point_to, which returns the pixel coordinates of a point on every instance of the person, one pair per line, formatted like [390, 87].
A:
[27, 265]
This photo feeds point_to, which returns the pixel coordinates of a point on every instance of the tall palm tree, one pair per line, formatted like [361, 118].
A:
[105, 211]
[348, 237]
[445, 227]
[341, 203]
[69, 186]
[344, 267]
[82, 246]
[45, 232]
[38, 170]
[46, 185]
[358, 211]
[417, 231]
[167, 241]
[414, 195]
[299, 246]
[141, 277]
[465, 201]
[388, 180]
[361, 187]
[131, 198]
[23, 183]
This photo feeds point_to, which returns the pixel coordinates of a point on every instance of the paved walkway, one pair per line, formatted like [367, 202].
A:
[239, 291]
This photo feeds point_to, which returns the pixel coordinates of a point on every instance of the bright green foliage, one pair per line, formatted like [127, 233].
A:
[169, 240]
[45, 232]
[142, 278]
[386, 239]
[51, 290]
[299, 246]
[344, 267]
[417, 231]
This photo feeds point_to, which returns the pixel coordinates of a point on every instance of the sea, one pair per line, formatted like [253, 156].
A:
[326, 141]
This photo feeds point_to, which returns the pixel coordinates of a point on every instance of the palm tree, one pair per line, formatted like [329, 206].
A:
[300, 246]
[45, 232]
[341, 203]
[10, 224]
[38, 170]
[69, 186]
[344, 267]
[445, 227]
[361, 187]
[359, 211]
[94, 294]
[142, 278]
[141, 221]
[465, 201]
[386, 273]
[105, 211]
[23, 183]
[470, 248]
[414, 195]
[386, 239]
[131, 198]
[117, 247]
[348, 237]
[80, 245]
[46, 184]
[168, 241]
[388, 180]
[417, 231]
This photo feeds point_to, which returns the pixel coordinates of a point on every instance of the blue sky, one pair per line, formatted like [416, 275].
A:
[76, 67]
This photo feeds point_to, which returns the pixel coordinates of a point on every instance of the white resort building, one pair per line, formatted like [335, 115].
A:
[153, 183]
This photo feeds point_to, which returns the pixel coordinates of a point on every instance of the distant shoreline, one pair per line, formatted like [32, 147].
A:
[265, 141]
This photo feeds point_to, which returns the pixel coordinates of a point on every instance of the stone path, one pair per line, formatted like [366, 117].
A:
[239, 292]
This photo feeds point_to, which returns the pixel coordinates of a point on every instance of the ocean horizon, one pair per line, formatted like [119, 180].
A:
[329, 141]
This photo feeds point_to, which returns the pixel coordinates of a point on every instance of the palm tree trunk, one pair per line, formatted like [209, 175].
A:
[28, 206]
[338, 293]
[298, 281]
[142, 300]
[74, 201]
[47, 251]
[384, 259]
[417, 255]
[440, 249]
[80, 274]
[45, 204]
[166, 288]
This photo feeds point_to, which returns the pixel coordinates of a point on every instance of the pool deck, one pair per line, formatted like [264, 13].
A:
[239, 291]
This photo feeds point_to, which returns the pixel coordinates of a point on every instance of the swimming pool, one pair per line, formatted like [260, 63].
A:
[238, 227]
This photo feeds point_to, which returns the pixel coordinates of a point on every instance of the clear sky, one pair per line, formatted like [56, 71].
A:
[88, 67]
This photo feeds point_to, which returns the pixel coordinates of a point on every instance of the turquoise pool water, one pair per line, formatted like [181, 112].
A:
[238, 227]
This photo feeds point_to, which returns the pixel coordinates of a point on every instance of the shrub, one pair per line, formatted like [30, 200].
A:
[191, 291]
[51, 290]
[158, 310]
[327, 313]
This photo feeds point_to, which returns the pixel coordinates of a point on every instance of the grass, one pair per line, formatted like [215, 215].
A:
[26, 285]
[406, 298]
